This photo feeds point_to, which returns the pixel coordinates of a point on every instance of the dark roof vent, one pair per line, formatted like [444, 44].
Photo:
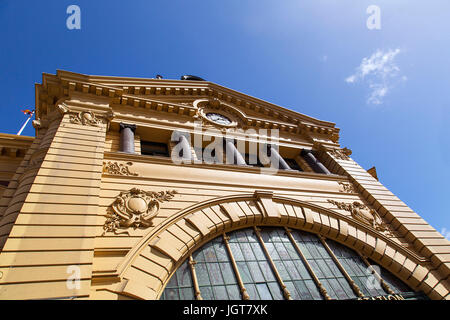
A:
[191, 78]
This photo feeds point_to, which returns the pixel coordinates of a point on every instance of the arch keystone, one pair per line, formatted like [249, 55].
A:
[267, 207]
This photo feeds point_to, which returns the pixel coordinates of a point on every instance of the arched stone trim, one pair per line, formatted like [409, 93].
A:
[149, 265]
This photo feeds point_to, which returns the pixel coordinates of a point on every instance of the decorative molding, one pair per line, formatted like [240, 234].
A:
[342, 154]
[86, 118]
[134, 209]
[347, 187]
[118, 168]
[364, 214]
[214, 105]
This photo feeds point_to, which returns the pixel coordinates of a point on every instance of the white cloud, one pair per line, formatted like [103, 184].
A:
[445, 233]
[379, 70]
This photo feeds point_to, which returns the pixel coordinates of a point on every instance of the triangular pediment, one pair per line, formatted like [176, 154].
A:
[181, 97]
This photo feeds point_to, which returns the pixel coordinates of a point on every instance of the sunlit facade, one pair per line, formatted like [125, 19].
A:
[184, 189]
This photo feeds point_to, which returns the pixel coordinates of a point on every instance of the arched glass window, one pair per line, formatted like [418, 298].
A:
[273, 263]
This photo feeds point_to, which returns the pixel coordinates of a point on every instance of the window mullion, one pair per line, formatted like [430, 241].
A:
[352, 283]
[192, 263]
[375, 273]
[244, 293]
[322, 289]
[286, 292]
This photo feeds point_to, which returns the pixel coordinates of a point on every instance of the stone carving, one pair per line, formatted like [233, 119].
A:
[342, 154]
[118, 168]
[347, 187]
[134, 209]
[364, 214]
[85, 118]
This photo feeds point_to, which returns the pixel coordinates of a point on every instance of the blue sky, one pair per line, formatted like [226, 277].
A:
[315, 57]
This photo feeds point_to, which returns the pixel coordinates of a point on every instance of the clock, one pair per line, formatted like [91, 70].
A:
[218, 118]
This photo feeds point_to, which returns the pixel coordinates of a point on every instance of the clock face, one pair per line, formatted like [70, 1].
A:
[218, 118]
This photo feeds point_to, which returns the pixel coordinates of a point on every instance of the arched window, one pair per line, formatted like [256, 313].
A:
[273, 263]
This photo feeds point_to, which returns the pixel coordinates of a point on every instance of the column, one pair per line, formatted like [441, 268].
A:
[275, 157]
[232, 153]
[127, 137]
[313, 162]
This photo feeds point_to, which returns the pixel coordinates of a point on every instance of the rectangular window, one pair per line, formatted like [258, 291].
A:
[293, 164]
[154, 149]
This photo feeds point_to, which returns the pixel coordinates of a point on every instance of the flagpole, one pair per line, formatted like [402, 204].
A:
[25, 124]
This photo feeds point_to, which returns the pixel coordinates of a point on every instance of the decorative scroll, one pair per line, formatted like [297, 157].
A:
[85, 118]
[342, 154]
[347, 187]
[364, 214]
[134, 209]
[118, 169]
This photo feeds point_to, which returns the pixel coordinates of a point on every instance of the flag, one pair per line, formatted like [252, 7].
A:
[28, 112]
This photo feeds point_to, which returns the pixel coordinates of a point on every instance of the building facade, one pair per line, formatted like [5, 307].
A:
[184, 189]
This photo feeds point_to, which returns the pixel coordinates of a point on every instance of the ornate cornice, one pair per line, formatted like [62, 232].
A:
[135, 92]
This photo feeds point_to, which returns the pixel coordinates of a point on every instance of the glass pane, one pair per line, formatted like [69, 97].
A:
[247, 251]
[322, 251]
[172, 282]
[171, 294]
[184, 275]
[347, 288]
[329, 289]
[263, 291]
[304, 273]
[340, 293]
[221, 252]
[282, 251]
[210, 254]
[237, 253]
[234, 292]
[251, 236]
[313, 290]
[302, 290]
[257, 250]
[198, 256]
[272, 251]
[292, 290]
[187, 294]
[316, 269]
[293, 254]
[292, 269]
[220, 292]
[275, 290]
[252, 292]
[228, 273]
[255, 271]
[244, 272]
[202, 274]
[267, 271]
[206, 293]
[313, 250]
[282, 270]
[215, 274]
[304, 250]
[326, 271]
